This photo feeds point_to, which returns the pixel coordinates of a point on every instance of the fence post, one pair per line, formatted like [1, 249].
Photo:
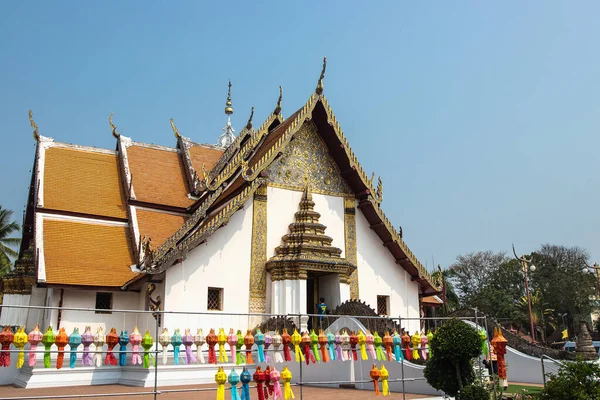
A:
[156, 319]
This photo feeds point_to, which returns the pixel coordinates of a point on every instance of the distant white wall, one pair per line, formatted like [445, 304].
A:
[282, 204]
[222, 262]
[87, 299]
[378, 274]
[14, 316]
[329, 289]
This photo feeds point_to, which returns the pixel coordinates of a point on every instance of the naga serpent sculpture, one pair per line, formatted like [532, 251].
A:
[154, 304]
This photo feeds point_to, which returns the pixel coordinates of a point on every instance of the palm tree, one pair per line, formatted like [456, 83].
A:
[7, 243]
[543, 317]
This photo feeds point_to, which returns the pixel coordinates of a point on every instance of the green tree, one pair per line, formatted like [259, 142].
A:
[501, 291]
[562, 284]
[542, 316]
[7, 243]
[575, 381]
[453, 348]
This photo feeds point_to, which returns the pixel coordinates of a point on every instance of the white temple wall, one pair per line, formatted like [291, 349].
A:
[329, 289]
[14, 316]
[87, 299]
[379, 275]
[282, 204]
[222, 262]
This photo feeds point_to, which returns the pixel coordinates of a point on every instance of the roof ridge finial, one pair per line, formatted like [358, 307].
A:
[228, 104]
[306, 195]
[249, 124]
[113, 127]
[36, 134]
[319, 89]
[175, 130]
[278, 106]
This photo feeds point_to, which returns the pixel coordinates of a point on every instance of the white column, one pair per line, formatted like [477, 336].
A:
[344, 292]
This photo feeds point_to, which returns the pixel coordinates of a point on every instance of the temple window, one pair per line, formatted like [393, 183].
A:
[104, 302]
[215, 299]
[383, 305]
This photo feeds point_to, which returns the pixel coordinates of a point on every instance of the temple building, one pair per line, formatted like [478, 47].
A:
[267, 221]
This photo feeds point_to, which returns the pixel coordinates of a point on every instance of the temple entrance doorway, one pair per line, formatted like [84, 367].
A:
[321, 285]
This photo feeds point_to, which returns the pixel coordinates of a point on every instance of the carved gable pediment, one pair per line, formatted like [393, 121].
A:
[306, 161]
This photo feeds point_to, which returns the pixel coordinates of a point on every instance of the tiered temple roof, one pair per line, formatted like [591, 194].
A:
[109, 218]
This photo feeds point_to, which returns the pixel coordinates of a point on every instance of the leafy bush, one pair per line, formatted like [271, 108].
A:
[453, 347]
[474, 392]
[577, 380]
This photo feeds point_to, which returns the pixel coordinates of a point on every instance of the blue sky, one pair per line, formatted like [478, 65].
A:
[481, 117]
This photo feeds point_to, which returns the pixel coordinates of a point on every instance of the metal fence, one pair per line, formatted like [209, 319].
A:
[151, 320]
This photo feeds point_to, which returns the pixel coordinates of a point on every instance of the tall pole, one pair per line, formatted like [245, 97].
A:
[524, 266]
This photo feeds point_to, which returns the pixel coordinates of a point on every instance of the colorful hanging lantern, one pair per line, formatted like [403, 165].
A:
[48, 340]
[275, 378]
[384, 375]
[331, 345]
[232, 342]
[248, 343]
[484, 344]
[345, 339]
[286, 377]
[245, 378]
[424, 342]
[388, 342]
[314, 341]
[99, 340]
[406, 345]
[112, 339]
[268, 342]
[147, 343]
[277, 341]
[19, 341]
[199, 340]
[220, 378]
[221, 340]
[164, 339]
[337, 339]
[268, 384]
[61, 341]
[378, 342]
[308, 356]
[34, 338]
[233, 380]
[259, 378]
[259, 339]
[353, 344]
[499, 343]
[87, 339]
[416, 342]
[123, 342]
[135, 338]
[370, 340]
[286, 340]
[176, 342]
[74, 343]
[397, 346]
[375, 374]
[239, 359]
[188, 341]
[429, 338]
[362, 340]
[322, 338]
[6, 338]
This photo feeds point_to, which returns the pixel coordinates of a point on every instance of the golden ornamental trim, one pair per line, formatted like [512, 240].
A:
[258, 254]
[350, 241]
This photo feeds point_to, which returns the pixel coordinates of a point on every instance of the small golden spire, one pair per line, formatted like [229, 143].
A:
[175, 130]
[249, 124]
[36, 135]
[319, 89]
[113, 127]
[278, 107]
[228, 107]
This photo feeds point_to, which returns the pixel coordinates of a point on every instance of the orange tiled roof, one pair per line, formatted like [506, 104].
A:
[158, 176]
[77, 253]
[204, 155]
[83, 181]
[158, 226]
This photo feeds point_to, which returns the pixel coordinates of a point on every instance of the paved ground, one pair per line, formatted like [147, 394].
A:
[203, 392]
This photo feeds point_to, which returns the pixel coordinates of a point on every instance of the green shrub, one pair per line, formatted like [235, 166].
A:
[474, 392]
[577, 380]
[453, 347]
